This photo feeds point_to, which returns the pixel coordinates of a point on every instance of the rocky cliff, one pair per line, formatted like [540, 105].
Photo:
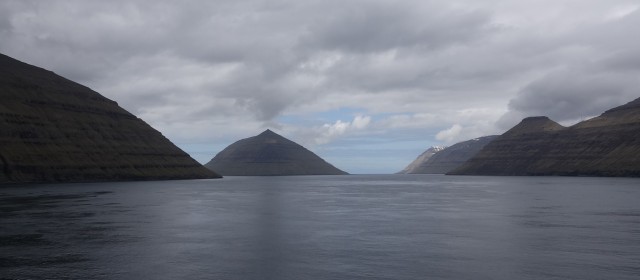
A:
[452, 157]
[608, 145]
[269, 154]
[55, 130]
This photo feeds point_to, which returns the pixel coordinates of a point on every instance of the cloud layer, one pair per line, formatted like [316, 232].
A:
[337, 74]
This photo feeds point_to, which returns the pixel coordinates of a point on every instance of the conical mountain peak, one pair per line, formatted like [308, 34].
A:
[269, 154]
[270, 137]
[269, 133]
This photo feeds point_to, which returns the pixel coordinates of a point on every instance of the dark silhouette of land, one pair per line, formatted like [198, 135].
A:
[55, 130]
[269, 154]
[448, 159]
[422, 159]
[607, 145]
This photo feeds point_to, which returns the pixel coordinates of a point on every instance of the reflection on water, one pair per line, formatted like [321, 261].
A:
[324, 227]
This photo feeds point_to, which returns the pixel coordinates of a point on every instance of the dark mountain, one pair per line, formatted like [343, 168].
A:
[452, 157]
[55, 130]
[415, 166]
[608, 145]
[269, 154]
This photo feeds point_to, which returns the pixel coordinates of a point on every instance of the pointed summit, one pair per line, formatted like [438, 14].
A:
[269, 154]
[267, 133]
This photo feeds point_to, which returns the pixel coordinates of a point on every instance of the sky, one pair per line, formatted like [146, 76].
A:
[366, 84]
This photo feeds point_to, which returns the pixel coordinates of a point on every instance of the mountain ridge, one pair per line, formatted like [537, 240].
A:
[421, 159]
[607, 145]
[452, 157]
[55, 130]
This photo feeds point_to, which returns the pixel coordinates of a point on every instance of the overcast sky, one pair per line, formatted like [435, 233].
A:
[368, 85]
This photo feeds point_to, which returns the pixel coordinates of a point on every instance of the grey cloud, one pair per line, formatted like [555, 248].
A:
[627, 60]
[269, 40]
[574, 94]
[602, 72]
[361, 26]
[565, 96]
[618, 34]
[5, 24]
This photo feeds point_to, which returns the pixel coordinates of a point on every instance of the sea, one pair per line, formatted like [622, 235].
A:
[324, 227]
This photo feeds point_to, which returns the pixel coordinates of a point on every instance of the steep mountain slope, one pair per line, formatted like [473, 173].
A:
[55, 130]
[608, 145]
[415, 165]
[452, 157]
[269, 154]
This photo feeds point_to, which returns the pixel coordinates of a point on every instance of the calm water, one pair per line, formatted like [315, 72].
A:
[324, 227]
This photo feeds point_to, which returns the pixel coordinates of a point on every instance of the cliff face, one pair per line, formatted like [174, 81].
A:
[55, 130]
[415, 167]
[608, 145]
[269, 154]
[452, 157]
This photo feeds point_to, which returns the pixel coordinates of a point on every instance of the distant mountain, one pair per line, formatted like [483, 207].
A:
[269, 154]
[608, 145]
[452, 157]
[55, 130]
[415, 166]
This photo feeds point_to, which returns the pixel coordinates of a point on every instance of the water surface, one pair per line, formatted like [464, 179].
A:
[324, 227]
